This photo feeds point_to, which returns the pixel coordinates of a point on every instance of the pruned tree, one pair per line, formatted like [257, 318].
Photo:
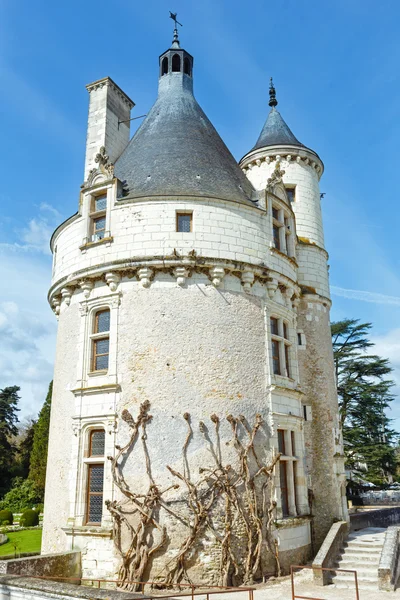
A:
[242, 493]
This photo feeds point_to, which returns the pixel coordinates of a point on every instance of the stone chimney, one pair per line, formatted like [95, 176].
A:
[108, 106]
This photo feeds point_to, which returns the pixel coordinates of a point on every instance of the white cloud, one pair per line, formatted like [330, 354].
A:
[365, 296]
[27, 325]
[388, 346]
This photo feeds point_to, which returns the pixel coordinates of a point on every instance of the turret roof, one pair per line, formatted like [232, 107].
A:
[276, 132]
[177, 151]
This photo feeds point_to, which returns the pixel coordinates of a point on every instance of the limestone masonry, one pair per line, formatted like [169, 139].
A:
[194, 427]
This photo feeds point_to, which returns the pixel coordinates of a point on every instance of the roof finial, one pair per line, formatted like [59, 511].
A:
[175, 41]
[272, 94]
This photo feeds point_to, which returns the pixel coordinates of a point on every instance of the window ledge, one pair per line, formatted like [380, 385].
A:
[288, 522]
[93, 530]
[95, 389]
[105, 240]
[98, 373]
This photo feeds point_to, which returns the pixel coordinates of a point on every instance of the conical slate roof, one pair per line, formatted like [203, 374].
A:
[276, 133]
[178, 152]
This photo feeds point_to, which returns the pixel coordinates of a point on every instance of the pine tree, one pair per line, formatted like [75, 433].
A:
[9, 399]
[364, 395]
[38, 462]
[24, 445]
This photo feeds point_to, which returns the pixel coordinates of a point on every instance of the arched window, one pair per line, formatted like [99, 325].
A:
[101, 340]
[176, 63]
[95, 477]
[186, 66]
[164, 66]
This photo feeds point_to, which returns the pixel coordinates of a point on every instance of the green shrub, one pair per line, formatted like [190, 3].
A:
[6, 517]
[23, 495]
[29, 518]
[39, 508]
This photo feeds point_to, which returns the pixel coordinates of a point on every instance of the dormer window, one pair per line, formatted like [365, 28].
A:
[282, 230]
[176, 63]
[98, 218]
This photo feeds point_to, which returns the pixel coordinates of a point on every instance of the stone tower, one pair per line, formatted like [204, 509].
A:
[194, 415]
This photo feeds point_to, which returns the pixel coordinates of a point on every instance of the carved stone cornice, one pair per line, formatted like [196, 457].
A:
[145, 270]
[303, 156]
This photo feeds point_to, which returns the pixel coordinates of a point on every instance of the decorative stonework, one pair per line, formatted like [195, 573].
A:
[276, 176]
[66, 294]
[86, 286]
[247, 280]
[181, 274]
[217, 274]
[145, 276]
[272, 286]
[112, 280]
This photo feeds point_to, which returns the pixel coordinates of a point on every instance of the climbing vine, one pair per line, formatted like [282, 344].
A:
[227, 501]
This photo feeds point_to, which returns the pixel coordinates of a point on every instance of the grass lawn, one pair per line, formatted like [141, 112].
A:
[29, 540]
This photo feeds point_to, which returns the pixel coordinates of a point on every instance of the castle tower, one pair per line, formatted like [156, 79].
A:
[177, 286]
[302, 169]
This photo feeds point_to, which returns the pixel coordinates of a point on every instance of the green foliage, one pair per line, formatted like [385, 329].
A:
[29, 518]
[6, 517]
[364, 396]
[23, 495]
[8, 418]
[28, 540]
[24, 447]
[38, 457]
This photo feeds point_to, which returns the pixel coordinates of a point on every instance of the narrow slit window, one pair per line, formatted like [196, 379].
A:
[184, 222]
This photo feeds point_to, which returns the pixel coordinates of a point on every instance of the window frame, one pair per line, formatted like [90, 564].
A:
[92, 461]
[182, 213]
[95, 215]
[288, 471]
[291, 188]
[97, 336]
[282, 225]
[282, 341]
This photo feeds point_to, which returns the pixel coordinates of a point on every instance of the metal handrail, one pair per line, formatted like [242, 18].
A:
[292, 567]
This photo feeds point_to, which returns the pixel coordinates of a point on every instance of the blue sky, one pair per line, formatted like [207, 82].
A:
[335, 67]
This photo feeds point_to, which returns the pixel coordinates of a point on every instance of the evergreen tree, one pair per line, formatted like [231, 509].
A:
[364, 396]
[38, 462]
[8, 418]
[25, 445]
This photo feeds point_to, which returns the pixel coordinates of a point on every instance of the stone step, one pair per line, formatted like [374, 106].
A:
[361, 586]
[363, 546]
[361, 571]
[358, 559]
[361, 551]
[349, 577]
[356, 564]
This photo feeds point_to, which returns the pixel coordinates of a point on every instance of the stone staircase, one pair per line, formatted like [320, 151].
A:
[361, 553]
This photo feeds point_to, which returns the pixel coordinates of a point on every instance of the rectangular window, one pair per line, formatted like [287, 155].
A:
[184, 222]
[299, 340]
[277, 237]
[287, 474]
[100, 203]
[275, 213]
[95, 477]
[95, 493]
[276, 361]
[99, 229]
[280, 344]
[274, 326]
[291, 194]
[100, 341]
[97, 442]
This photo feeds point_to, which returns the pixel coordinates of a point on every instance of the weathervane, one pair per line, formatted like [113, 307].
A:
[173, 17]
[175, 41]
